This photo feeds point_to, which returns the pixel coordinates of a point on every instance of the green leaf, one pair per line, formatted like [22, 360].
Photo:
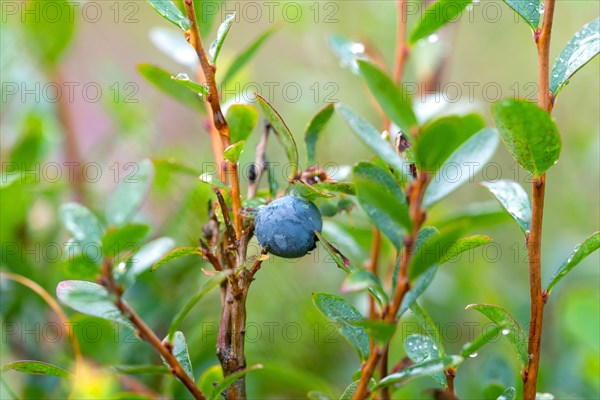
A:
[394, 102]
[381, 332]
[306, 191]
[514, 199]
[472, 216]
[213, 180]
[580, 50]
[125, 238]
[471, 348]
[233, 152]
[343, 314]
[184, 80]
[431, 253]
[348, 52]
[242, 119]
[462, 245]
[171, 13]
[383, 200]
[127, 272]
[91, 299]
[229, 380]
[242, 59]
[282, 132]
[81, 223]
[349, 391]
[169, 165]
[161, 79]
[129, 195]
[417, 289]
[436, 16]
[180, 351]
[501, 317]
[580, 252]
[420, 349]
[141, 369]
[50, 35]
[314, 128]
[363, 279]
[462, 165]
[215, 46]
[440, 138]
[372, 139]
[339, 187]
[341, 261]
[529, 133]
[209, 285]
[509, 394]
[36, 368]
[418, 370]
[529, 10]
[430, 329]
[177, 253]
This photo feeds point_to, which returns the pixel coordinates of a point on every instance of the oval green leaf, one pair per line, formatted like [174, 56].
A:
[242, 119]
[170, 12]
[580, 50]
[436, 16]
[372, 139]
[383, 200]
[344, 314]
[184, 80]
[420, 349]
[314, 129]
[529, 133]
[282, 132]
[91, 299]
[180, 351]
[161, 79]
[81, 223]
[234, 151]
[36, 368]
[462, 165]
[215, 46]
[581, 251]
[528, 10]
[125, 238]
[418, 370]
[502, 318]
[440, 138]
[392, 99]
[514, 199]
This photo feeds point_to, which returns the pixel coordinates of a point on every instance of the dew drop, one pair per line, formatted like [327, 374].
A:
[473, 355]
[433, 38]
[357, 48]
[182, 77]
[541, 8]
[505, 331]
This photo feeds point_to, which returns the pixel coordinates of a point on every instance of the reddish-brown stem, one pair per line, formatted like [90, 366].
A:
[147, 334]
[401, 43]
[415, 190]
[219, 122]
[450, 374]
[534, 238]
[372, 267]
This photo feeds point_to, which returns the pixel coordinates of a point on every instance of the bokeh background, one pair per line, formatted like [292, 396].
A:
[487, 55]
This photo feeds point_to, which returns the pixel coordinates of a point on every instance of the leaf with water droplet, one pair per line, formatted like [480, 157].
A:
[344, 315]
[421, 348]
[36, 368]
[509, 394]
[528, 10]
[215, 46]
[171, 13]
[470, 349]
[504, 320]
[439, 14]
[514, 199]
[184, 80]
[529, 133]
[580, 252]
[348, 52]
[418, 370]
[580, 50]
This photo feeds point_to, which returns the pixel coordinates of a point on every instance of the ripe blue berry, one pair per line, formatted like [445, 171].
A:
[286, 227]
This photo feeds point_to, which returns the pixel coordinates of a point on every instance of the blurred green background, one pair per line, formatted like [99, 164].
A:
[118, 118]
